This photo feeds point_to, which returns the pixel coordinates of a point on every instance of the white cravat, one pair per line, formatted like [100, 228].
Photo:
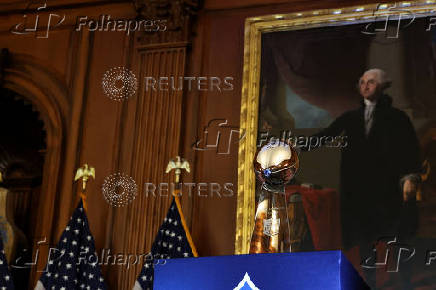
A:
[369, 114]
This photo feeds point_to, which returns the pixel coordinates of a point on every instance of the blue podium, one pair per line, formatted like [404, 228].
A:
[328, 270]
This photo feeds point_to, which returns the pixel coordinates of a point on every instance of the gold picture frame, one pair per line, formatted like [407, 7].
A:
[254, 28]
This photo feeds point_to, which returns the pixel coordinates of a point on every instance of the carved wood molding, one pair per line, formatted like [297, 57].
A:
[177, 16]
[157, 123]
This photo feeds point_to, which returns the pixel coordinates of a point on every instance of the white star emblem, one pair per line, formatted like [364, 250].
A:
[185, 254]
[68, 266]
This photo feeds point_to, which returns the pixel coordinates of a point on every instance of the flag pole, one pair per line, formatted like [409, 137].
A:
[84, 173]
[178, 164]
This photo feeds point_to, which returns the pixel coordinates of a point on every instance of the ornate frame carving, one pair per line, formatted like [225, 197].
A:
[254, 27]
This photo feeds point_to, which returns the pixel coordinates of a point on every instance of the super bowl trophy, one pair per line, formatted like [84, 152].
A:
[275, 165]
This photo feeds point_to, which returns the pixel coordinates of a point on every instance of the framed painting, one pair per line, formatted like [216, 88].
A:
[303, 72]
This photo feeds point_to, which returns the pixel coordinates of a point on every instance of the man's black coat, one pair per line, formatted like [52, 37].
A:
[371, 169]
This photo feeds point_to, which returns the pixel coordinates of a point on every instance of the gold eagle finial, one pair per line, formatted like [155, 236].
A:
[178, 164]
[85, 173]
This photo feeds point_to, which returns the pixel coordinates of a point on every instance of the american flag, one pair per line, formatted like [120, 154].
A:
[5, 277]
[171, 242]
[73, 264]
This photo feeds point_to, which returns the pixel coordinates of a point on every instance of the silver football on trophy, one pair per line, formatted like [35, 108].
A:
[276, 163]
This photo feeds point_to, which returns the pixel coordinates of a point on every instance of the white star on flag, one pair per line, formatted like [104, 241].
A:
[165, 246]
[83, 273]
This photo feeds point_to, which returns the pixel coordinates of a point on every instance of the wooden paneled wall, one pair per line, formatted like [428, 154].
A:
[157, 140]
[61, 76]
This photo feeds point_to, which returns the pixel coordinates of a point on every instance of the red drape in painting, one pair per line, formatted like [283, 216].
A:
[322, 65]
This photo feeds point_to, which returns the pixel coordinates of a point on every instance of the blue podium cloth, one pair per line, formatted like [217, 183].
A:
[309, 270]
